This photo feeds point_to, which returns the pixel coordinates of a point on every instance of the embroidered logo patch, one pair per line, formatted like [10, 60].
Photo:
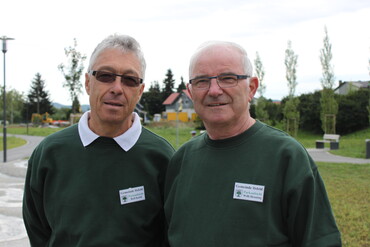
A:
[132, 195]
[249, 192]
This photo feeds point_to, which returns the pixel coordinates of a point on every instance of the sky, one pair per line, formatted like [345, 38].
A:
[170, 31]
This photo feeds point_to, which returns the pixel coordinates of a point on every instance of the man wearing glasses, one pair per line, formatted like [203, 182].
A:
[242, 183]
[100, 183]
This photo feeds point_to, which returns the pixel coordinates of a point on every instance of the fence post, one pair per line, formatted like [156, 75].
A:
[367, 142]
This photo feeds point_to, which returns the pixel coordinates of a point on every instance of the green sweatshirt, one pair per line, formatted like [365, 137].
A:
[260, 188]
[97, 195]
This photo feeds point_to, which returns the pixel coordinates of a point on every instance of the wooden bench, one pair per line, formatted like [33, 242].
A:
[329, 138]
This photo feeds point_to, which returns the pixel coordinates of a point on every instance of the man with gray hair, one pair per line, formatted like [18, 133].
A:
[242, 183]
[100, 183]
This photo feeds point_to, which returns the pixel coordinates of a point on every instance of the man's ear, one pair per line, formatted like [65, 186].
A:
[188, 87]
[87, 83]
[141, 91]
[253, 86]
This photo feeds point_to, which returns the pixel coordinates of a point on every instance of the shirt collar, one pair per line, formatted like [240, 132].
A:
[126, 141]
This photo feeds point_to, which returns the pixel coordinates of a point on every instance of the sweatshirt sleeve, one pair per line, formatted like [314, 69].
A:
[309, 215]
[34, 217]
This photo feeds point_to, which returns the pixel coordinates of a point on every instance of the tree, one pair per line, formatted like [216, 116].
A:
[274, 112]
[260, 72]
[291, 65]
[329, 106]
[38, 97]
[14, 105]
[261, 112]
[72, 74]
[327, 80]
[353, 106]
[309, 109]
[291, 115]
[181, 86]
[290, 110]
[153, 99]
[169, 83]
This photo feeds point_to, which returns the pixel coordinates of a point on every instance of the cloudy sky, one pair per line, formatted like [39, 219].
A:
[169, 32]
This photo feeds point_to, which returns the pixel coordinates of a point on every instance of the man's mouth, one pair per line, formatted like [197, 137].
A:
[216, 104]
[113, 103]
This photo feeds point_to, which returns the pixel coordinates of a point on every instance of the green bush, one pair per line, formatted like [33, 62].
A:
[353, 114]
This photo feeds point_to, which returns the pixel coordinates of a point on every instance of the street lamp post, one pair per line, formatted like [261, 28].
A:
[4, 39]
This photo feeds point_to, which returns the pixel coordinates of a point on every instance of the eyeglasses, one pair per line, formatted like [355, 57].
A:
[107, 77]
[223, 81]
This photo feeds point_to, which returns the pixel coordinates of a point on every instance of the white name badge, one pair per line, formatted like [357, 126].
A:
[132, 195]
[249, 192]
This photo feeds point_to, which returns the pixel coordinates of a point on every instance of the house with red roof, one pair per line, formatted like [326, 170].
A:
[179, 106]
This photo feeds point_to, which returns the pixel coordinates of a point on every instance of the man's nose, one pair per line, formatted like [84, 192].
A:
[214, 88]
[116, 86]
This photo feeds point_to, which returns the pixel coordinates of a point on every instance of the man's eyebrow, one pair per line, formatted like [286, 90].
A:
[206, 76]
[125, 72]
[201, 76]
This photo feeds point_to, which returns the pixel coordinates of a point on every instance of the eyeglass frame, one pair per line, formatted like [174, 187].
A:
[238, 77]
[94, 72]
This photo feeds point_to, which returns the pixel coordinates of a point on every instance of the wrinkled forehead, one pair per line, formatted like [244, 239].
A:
[216, 56]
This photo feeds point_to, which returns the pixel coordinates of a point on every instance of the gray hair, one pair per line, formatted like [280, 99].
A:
[248, 68]
[124, 43]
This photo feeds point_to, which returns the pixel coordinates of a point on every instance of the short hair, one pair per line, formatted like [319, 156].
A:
[125, 43]
[248, 68]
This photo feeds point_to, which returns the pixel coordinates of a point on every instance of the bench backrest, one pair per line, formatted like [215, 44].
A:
[331, 137]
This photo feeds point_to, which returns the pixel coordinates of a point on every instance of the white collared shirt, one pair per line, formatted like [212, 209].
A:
[126, 141]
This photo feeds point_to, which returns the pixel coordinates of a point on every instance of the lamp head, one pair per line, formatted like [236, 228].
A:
[4, 39]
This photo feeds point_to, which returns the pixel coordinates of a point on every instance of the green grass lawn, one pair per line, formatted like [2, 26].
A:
[12, 142]
[348, 187]
[32, 131]
[351, 145]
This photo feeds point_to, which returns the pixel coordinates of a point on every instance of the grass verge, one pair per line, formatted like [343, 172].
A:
[11, 142]
[348, 187]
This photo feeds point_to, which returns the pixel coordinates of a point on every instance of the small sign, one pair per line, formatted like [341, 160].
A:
[249, 192]
[132, 195]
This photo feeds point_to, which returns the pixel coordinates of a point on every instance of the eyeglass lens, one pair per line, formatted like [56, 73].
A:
[223, 81]
[107, 77]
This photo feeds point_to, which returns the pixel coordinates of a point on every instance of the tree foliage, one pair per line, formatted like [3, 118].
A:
[292, 116]
[153, 99]
[274, 111]
[327, 80]
[290, 110]
[352, 111]
[260, 73]
[168, 83]
[329, 110]
[309, 109]
[329, 106]
[291, 68]
[14, 105]
[72, 73]
[260, 108]
[182, 85]
[38, 100]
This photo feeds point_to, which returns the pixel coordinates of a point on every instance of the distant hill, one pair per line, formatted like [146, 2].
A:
[83, 107]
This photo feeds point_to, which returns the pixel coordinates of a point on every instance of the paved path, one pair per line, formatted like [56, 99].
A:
[24, 151]
[323, 155]
[12, 173]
